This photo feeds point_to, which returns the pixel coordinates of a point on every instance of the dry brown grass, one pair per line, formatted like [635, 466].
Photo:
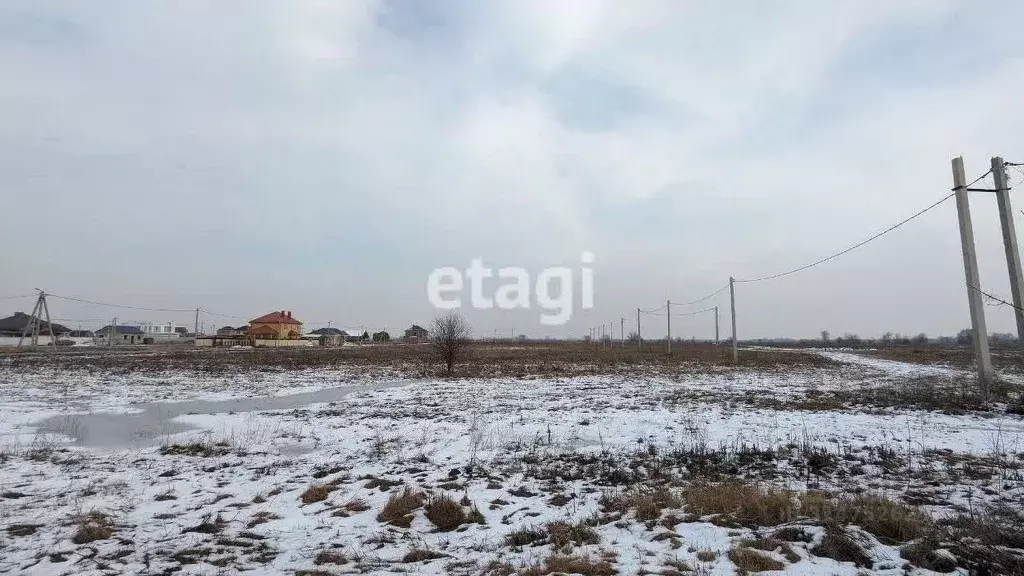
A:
[564, 536]
[316, 493]
[890, 521]
[525, 536]
[444, 513]
[92, 526]
[487, 359]
[648, 503]
[330, 557]
[773, 545]
[572, 564]
[421, 554]
[838, 545]
[748, 560]
[707, 555]
[399, 507]
[740, 504]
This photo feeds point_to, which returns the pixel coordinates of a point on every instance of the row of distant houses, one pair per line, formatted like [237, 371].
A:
[144, 333]
[278, 328]
[281, 329]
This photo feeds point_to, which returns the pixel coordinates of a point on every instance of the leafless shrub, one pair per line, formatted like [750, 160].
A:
[450, 338]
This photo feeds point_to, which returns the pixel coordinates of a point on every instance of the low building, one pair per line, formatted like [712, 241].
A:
[277, 325]
[81, 334]
[381, 336]
[154, 332]
[328, 331]
[230, 331]
[15, 326]
[416, 332]
[330, 339]
[119, 335]
[356, 336]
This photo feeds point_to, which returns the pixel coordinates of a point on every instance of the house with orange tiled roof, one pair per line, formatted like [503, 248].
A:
[277, 325]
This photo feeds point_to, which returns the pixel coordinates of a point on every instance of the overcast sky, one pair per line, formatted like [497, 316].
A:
[324, 157]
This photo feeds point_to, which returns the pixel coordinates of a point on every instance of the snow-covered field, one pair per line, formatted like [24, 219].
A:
[593, 474]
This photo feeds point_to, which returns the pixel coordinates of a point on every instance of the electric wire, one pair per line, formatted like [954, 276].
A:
[851, 248]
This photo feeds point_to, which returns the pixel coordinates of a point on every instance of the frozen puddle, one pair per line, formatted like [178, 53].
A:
[149, 423]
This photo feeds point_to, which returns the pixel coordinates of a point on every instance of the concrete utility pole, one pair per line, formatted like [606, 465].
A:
[30, 326]
[974, 301]
[110, 334]
[732, 304]
[622, 331]
[716, 324]
[639, 338]
[196, 329]
[1009, 242]
[668, 318]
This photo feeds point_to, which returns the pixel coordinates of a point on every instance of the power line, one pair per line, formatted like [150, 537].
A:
[855, 246]
[16, 297]
[699, 300]
[687, 313]
[991, 297]
[84, 301]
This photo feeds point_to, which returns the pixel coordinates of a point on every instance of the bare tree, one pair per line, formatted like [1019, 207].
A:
[449, 338]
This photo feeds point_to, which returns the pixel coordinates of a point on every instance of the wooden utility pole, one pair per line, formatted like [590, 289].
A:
[1013, 262]
[974, 296]
[716, 324]
[732, 304]
[668, 317]
[639, 338]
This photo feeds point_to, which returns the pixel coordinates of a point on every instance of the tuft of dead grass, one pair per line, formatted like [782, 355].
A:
[748, 560]
[316, 493]
[525, 536]
[399, 507]
[201, 449]
[838, 545]
[564, 535]
[330, 557]
[772, 545]
[740, 504]
[92, 526]
[648, 503]
[890, 521]
[445, 513]
[572, 564]
[421, 555]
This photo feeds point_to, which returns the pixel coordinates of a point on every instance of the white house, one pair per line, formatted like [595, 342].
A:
[161, 332]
